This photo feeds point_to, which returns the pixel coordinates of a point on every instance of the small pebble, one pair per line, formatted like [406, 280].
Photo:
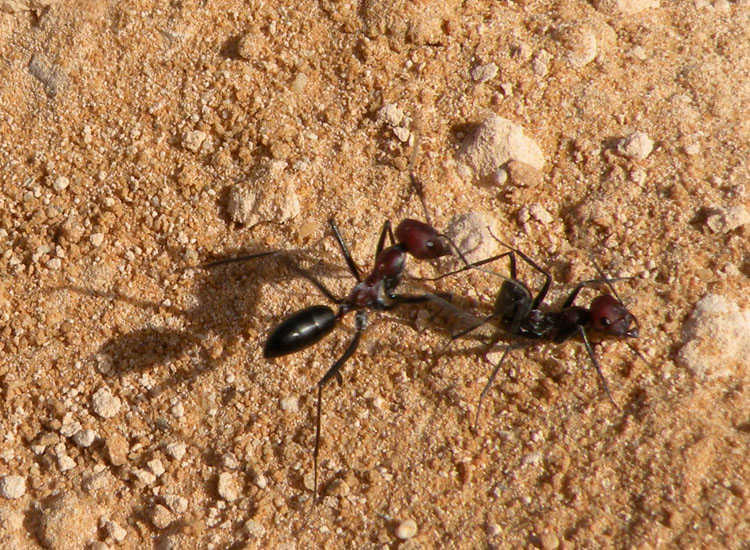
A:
[228, 486]
[549, 541]
[484, 73]
[61, 183]
[636, 146]
[406, 529]
[538, 212]
[156, 467]
[289, 404]
[105, 404]
[402, 134]
[84, 438]
[176, 503]
[115, 531]
[117, 449]
[176, 450]
[193, 140]
[254, 529]
[390, 114]
[144, 476]
[161, 517]
[12, 487]
[96, 239]
[65, 463]
[299, 83]
[493, 529]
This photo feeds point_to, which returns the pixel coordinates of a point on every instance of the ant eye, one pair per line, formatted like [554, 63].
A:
[430, 244]
[606, 321]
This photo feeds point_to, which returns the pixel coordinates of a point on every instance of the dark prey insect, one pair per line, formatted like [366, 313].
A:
[518, 314]
[376, 292]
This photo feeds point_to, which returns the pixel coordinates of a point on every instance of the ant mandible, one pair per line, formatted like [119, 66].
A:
[520, 315]
[376, 292]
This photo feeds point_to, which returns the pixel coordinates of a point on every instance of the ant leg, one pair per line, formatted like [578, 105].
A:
[590, 351]
[318, 284]
[381, 241]
[547, 279]
[489, 383]
[361, 324]
[472, 266]
[345, 251]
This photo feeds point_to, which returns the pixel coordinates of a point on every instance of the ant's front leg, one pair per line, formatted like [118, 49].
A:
[345, 250]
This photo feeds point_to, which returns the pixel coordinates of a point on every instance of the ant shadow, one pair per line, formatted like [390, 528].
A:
[226, 302]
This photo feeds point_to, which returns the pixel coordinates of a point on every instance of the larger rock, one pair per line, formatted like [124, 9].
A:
[495, 142]
[717, 339]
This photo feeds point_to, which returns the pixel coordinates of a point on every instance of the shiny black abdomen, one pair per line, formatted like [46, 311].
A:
[301, 330]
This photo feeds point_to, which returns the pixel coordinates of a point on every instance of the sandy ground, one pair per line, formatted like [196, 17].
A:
[136, 408]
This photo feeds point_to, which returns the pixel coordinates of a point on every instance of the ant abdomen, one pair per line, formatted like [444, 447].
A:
[300, 330]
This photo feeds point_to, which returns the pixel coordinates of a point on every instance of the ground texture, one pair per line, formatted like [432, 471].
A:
[139, 139]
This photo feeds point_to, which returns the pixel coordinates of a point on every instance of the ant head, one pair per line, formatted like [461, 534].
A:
[609, 316]
[422, 240]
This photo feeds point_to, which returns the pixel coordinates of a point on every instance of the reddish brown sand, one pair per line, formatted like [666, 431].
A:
[123, 127]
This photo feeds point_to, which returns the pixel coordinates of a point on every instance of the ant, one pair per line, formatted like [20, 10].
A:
[376, 292]
[520, 315]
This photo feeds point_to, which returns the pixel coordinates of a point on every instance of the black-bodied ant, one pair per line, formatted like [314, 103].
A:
[518, 314]
[376, 292]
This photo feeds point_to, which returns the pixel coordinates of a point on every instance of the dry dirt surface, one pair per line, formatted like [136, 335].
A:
[141, 139]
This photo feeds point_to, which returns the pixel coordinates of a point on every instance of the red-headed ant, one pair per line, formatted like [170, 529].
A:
[375, 292]
[518, 314]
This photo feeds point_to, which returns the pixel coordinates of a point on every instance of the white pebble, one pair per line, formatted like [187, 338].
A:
[115, 531]
[193, 140]
[96, 239]
[495, 142]
[470, 232]
[144, 476]
[228, 486]
[402, 134]
[175, 450]
[538, 212]
[272, 197]
[289, 404]
[299, 83]
[724, 220]
[105, 404]
[716, 339]
[390, 114]
[406, 529]
[84, 438]
[12, 487]
[61, 183]
[176, 503]
[156, 467]
[65, 463]
[254, 529]
[484, 73]
[636, 146]
[177, 410]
